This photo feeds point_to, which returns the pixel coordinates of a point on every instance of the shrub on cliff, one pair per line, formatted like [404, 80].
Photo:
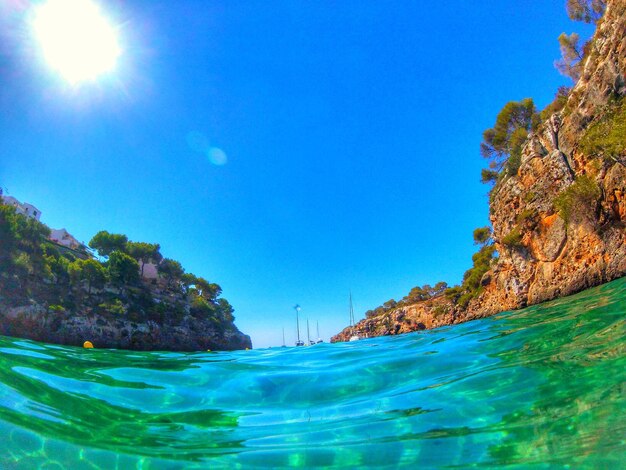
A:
[439, 310]
[577, 200]
[453, 293]
[606, 137]
[470, 288]
[113, 307]
[513, 239]
[481, 264]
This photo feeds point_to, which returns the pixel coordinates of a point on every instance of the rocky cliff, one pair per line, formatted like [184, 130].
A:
[65, 327]
[559, 224]
[56, 294]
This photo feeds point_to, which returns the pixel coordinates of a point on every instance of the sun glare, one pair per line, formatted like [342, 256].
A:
[76, 39]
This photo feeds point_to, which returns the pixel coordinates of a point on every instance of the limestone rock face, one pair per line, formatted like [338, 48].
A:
[556, 258]
[192, 334]
[551, 257]
[416, 317]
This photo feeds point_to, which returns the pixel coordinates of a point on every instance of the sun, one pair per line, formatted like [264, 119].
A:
[76, 39]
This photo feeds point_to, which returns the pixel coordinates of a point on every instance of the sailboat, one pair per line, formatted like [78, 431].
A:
[319, 340]
[299, 342]
[284, 346]
[355, 336]
[308, 335]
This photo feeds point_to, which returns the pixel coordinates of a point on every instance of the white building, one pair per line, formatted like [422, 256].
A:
[63, 237]
[22, 207]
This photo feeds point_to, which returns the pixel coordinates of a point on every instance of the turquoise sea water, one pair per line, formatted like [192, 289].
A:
[543, 386]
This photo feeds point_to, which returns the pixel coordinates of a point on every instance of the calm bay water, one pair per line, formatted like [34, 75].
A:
[542, 386]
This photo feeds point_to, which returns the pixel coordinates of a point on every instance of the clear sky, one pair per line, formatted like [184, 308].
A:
[345, 140]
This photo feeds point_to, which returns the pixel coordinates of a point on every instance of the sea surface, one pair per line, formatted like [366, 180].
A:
[542, 387]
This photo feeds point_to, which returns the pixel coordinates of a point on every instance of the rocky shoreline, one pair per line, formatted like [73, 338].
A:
[116, 294]
[190, 334]
[542, 254]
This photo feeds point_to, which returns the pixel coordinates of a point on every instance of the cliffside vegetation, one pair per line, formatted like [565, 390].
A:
[557, 192]
[503, 144]
[33, 269]
[578, 200]
[606, 137]
[417, 294]
[460, 295]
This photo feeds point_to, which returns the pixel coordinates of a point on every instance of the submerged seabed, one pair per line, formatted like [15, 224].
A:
[544, 385]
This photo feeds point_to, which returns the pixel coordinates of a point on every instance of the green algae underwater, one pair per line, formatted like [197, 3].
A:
[542, 387]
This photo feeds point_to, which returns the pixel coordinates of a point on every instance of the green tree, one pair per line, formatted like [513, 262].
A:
[201, 308]
[471, 278]
[225, 311]
[453, 293]
[171, 270]
[8, 237]
[59, 267]
[417, 294]
[144, 253]
[502, 144]
[440, 288]
[589, 11]
[105, 243]
[30, 234]
[208, 290]
[482, 235]
[123, 269]
[488, 176]
[188, 280]
[90, 271]
[570, 63]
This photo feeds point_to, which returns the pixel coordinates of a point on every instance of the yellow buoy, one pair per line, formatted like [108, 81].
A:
[87, 345]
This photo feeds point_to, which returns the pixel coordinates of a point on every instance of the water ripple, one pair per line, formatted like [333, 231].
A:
[541, 386]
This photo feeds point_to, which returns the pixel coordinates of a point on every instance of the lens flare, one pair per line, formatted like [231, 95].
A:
[76, 39]
[198, 142]
[217, 156]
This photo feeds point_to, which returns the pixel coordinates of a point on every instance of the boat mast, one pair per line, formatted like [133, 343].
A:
[351, 312]
[308, 336]
[297, 309]
[283, 336]
[353, 335]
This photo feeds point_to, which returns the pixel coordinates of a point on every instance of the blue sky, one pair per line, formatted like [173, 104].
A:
[351, 131]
